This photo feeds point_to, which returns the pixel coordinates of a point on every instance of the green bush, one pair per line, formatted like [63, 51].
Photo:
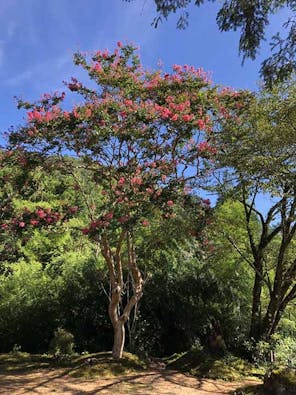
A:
[280, 381]
[62, 343]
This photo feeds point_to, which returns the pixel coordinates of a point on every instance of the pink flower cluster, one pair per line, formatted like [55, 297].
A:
[40, 217]
[205, 147]
[41, 115]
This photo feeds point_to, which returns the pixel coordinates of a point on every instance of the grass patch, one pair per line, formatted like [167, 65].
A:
[85, 366]
[103, 365]
[202, 364]
[23, 362]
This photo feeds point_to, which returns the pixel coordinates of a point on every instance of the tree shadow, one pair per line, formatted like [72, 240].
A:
[257, 389]
[59, 379]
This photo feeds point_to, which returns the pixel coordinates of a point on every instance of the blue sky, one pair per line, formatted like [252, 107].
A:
[38, 38]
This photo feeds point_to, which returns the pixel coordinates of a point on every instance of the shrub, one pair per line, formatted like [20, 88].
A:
[62, 343]
[280, 381]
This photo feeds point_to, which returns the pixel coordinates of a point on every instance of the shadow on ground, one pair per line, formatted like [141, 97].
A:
[99, 374]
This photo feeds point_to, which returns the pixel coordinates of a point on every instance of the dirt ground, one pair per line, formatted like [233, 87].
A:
[162, 382]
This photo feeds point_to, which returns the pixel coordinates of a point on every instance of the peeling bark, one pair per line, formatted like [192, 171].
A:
[114, 263]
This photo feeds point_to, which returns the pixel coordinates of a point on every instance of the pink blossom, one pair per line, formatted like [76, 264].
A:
[169, 99]
[34, 222]
[21, 224]
[4, 226]
[66, 115]
[201, 124]
[187, 117]
[75, 114]
[97, 68]
[177, 68]
[88, 113]
[105, 54]
[170, 203]
[121, 181]
[203, 146]
[145, 222]
[136, 181]
[166, 113]
[109, 216]
[34, 116]
[40, 213]
[180, 107]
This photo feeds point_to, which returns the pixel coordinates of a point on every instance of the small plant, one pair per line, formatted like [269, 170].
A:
[196, 346]
[16, 349]
[62, 343]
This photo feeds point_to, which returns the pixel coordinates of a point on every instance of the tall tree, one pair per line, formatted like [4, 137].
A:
[142, 137]
[259, 153]
[251, 17]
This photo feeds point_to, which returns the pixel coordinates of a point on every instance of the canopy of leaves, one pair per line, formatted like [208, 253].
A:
[143, 135]
[262, 146]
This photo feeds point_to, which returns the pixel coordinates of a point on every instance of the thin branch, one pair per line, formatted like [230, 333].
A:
[266, 281]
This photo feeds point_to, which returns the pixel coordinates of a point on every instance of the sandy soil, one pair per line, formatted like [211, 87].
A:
[162, 382]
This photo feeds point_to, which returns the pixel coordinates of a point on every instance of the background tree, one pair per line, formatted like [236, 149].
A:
[251, 17]
[142, 138]
[261, 153]
[32, 201]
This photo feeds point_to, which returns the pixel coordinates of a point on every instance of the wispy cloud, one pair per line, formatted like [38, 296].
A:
[44, 70]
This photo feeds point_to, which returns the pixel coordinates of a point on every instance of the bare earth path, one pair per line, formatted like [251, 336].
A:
[162, 382]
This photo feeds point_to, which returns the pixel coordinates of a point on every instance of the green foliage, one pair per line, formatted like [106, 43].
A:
[258, 161]
[283, 349]
[178, 306]
[261, 145]
[36, 301]
[26, 190]
[28, 308]
[62, 343]
[280, 381]
[202, 364]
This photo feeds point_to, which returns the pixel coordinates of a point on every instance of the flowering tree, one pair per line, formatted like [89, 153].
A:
[145, 138]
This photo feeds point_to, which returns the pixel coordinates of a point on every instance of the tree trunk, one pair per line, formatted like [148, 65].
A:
[114, 262]
[255, 329]
[268, 327]
[119, 339]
